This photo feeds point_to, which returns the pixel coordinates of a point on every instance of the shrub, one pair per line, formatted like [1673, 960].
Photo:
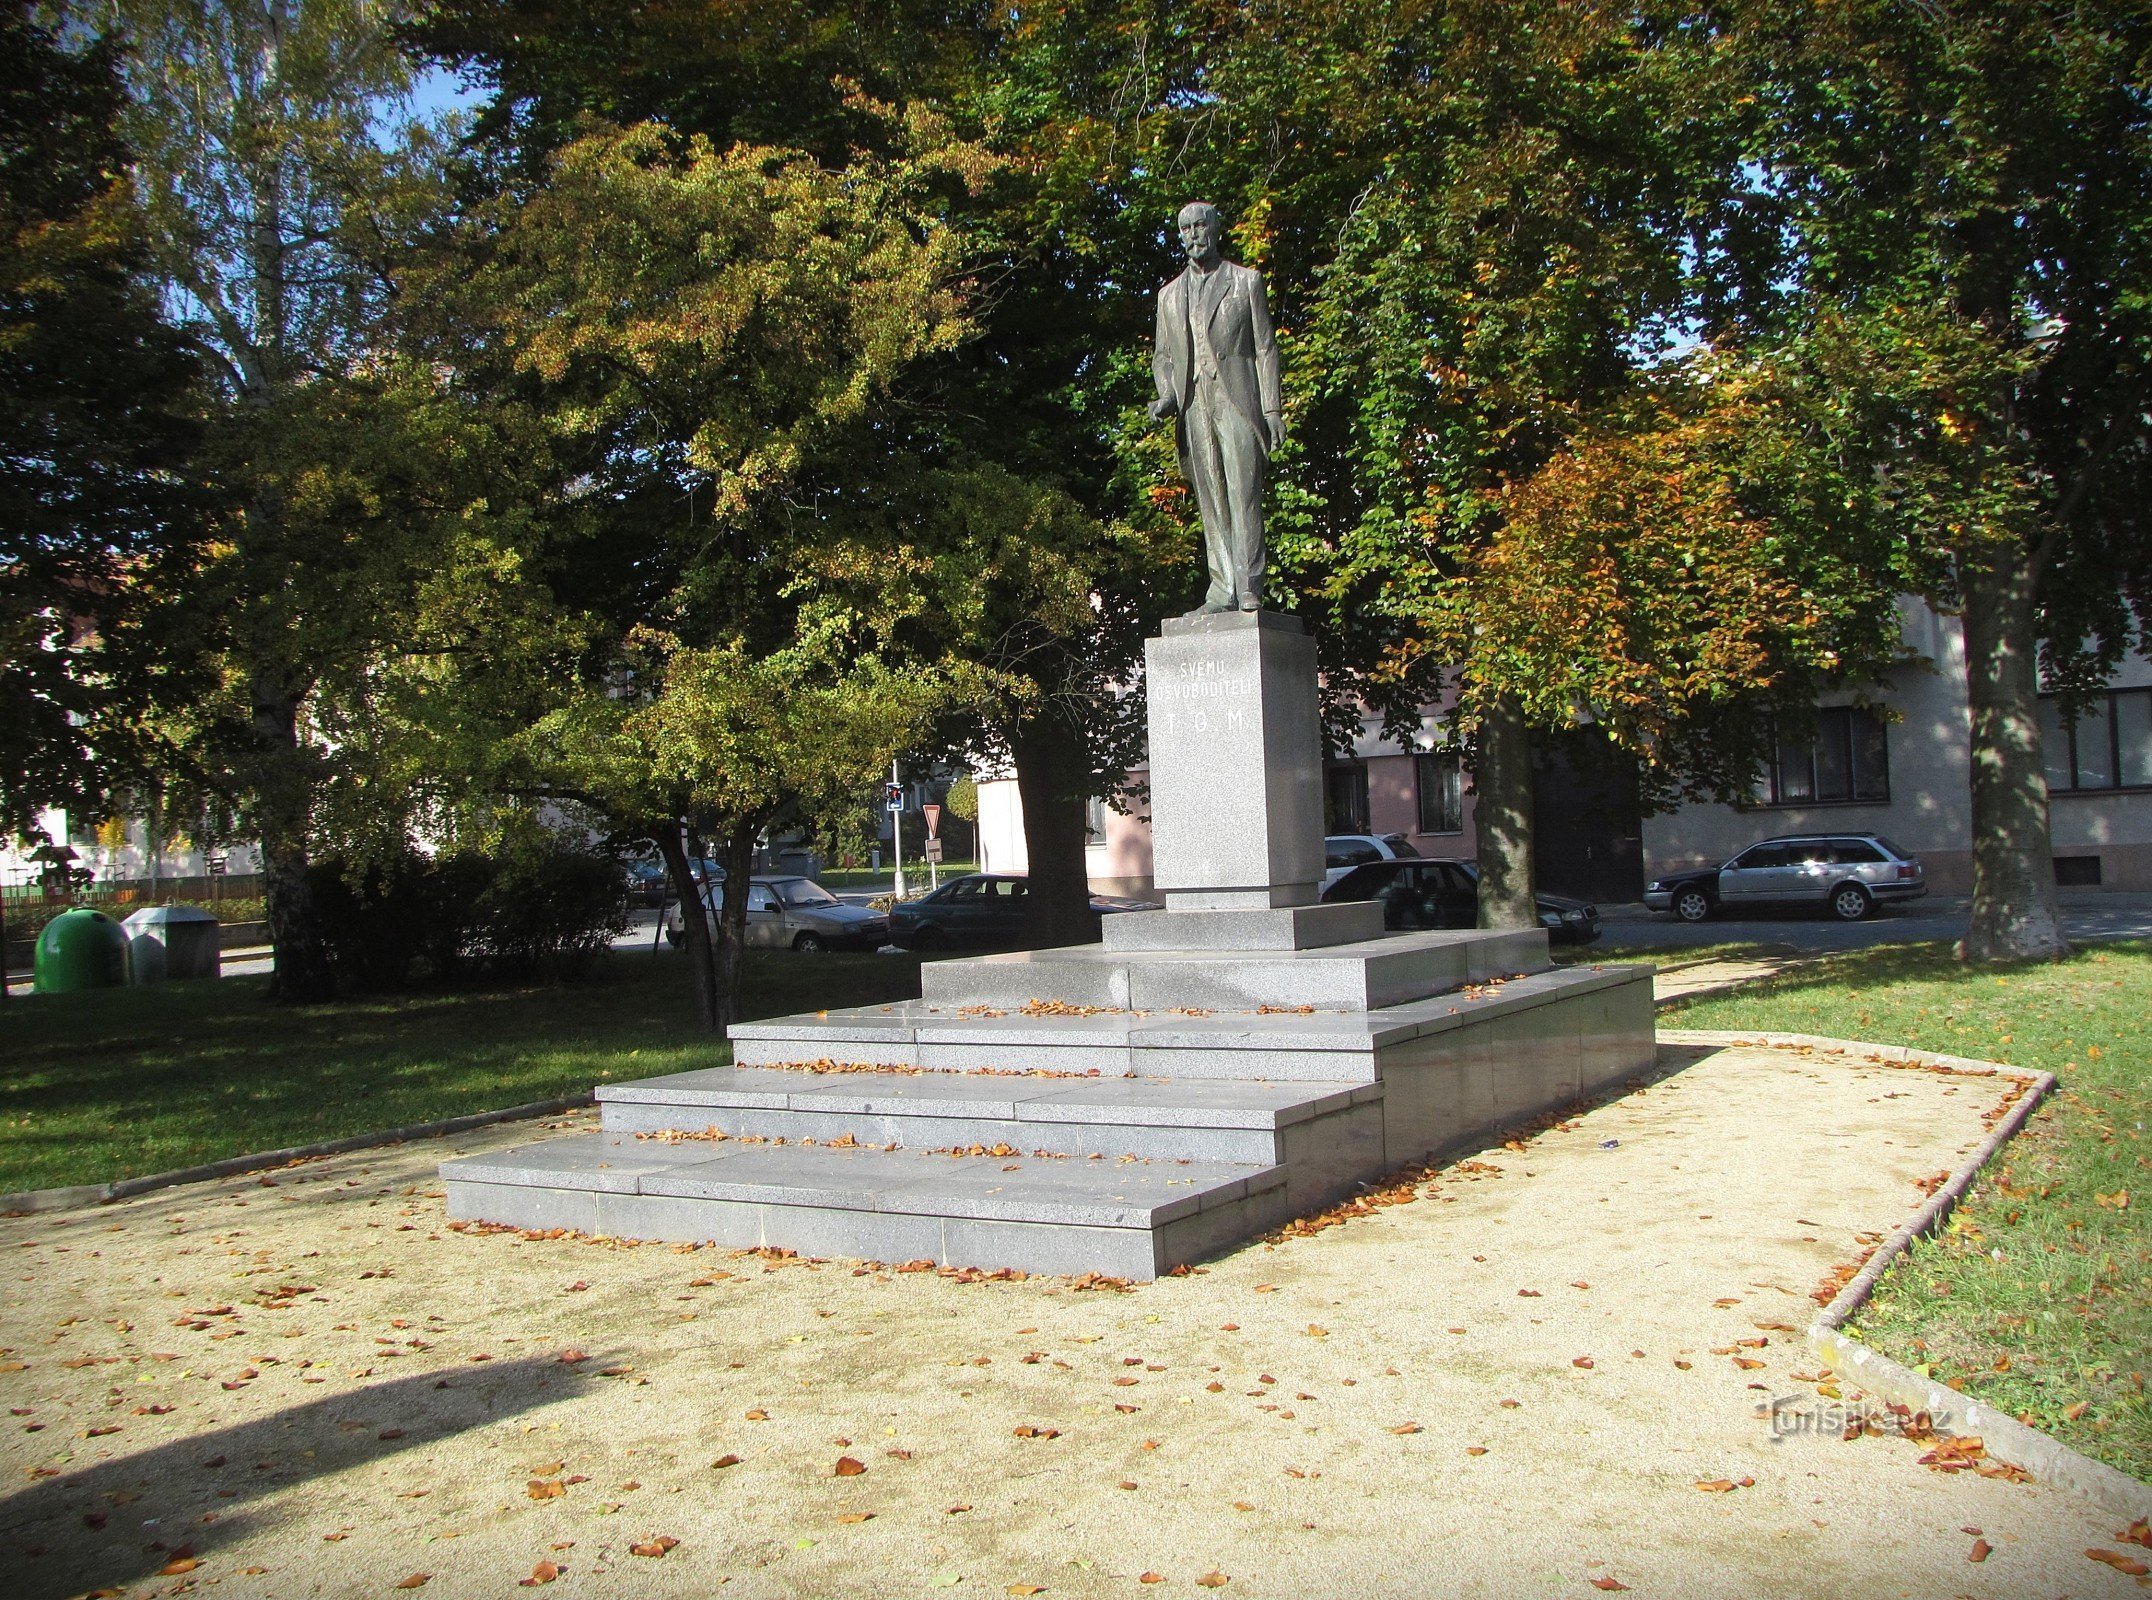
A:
[538, 906]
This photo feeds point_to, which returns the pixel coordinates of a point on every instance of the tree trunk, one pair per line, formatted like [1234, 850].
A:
[1053, 780]
[1502, 782]
[3, 947]
[694, 922]
[732, 925]
[282, 793]
[2014, 915]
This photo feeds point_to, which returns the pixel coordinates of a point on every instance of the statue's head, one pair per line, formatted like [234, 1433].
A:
[1199, 231]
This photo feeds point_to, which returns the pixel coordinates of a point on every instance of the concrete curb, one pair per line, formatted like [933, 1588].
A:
[28, 1202]
[2002, 1435]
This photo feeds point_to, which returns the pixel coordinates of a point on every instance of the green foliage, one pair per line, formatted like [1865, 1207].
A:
[963, 798]
[538, 905]
[95, 396]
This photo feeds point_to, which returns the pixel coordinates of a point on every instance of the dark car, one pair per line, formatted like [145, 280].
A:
[649, 883]
[979, 911]
[1439, 892]
[1847, 874]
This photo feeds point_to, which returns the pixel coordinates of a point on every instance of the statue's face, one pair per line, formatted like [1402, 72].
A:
[1199, 234]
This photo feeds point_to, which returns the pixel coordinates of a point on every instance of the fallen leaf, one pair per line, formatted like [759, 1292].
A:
[1979, 1551]
[1716, 1485]
[1025, 1430]
[1406, 1427]
[850, 1517]
[1747, 1363]
[1212, 1580]
[2073, 1412]
[2128, 1566]
[544, 1572]
[173, 1568]
[1728, 1300]
[848, 1467]
[1027, 1588]
[417, 1580]
[1610, 1585]
[950, 1511]
[1475, 1449]
[654, 1547]
[1585, 1362]
[725, 1461]
[1150, 1577]
[545, 1489]
[758, 1415]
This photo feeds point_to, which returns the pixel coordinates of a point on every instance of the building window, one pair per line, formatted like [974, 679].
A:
[1345, 793]
[2108, 745]
[1846, 760]
[1440, 781]
[1094, 821]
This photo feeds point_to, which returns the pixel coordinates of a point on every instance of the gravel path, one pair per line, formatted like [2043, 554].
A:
[1513, 1385]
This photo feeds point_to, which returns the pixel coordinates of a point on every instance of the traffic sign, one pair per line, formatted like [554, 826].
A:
[933, 815]
[934, 851]
[893, 797]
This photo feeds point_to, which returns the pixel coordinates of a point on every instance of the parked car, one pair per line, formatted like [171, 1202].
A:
[1441, 892]
[981, 910]
[649, 884]
[791, 914]
[1344, 851]
[1847, 874]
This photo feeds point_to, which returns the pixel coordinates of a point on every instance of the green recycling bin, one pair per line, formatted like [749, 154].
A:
[80, 949]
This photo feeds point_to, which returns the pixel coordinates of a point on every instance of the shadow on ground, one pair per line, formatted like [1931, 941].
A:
[122, 1521]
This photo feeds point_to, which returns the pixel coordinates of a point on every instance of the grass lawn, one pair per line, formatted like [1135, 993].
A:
[117, 1082]
[2037, 1297]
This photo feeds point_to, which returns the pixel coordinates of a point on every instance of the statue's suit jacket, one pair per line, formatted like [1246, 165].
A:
[1240, 335]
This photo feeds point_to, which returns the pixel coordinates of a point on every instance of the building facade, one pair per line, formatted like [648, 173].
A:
[1893, 758]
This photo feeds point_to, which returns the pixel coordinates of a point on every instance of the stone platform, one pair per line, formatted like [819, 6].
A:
[1086, 1109]
[1208, 1071]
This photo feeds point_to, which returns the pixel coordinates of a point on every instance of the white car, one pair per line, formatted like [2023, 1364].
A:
[1344, 851]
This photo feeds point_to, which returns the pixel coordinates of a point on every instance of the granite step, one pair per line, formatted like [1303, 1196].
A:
[1219, 1120]
[1368, 975]
[1129, 1217]
[1306, 1044]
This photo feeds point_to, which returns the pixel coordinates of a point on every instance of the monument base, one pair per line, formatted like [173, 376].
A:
[1048, 1135]
[1204, 1074]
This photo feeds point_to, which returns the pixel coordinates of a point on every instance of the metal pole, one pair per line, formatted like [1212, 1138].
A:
[896, 833]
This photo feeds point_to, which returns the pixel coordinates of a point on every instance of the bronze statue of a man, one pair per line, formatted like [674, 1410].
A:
[1216, 364]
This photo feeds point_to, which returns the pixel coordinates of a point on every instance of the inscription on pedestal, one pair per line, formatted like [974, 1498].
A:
[1236, 762]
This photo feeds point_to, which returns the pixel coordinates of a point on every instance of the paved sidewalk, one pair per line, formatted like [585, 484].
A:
[313, 1387]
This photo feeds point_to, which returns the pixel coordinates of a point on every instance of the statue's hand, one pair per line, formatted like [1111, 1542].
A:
[1162, 408]
[1275, 427]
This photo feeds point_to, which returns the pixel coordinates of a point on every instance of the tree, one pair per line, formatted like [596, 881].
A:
[1484, 219]
[283, 181]
[96, 426]
[992, 473]
[1968, 191]
[695, 330]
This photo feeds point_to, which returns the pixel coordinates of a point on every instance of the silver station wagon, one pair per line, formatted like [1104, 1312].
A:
[1846, 874]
